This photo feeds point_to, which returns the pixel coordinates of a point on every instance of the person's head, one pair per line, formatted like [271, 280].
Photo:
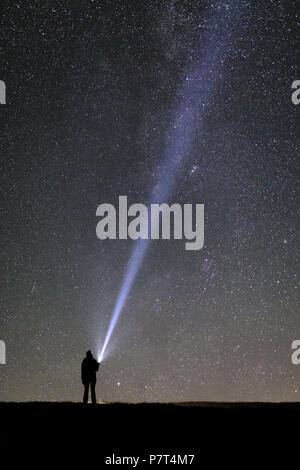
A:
[89, 355]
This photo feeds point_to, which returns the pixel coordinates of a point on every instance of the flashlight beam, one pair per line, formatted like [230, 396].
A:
[195, 92]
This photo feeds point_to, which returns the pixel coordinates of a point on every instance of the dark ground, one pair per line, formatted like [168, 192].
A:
[235, 435]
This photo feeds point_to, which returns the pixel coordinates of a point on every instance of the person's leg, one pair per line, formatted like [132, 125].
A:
[93, 392]
[86, 393]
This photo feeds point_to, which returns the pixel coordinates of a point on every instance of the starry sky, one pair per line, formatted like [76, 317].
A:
[93, 91]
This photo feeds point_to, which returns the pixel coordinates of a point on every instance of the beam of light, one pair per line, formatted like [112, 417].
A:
[193, 97]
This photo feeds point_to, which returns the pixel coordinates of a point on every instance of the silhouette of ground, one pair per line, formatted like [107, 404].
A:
[232, 434]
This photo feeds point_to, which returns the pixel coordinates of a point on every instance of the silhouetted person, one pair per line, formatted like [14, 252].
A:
[89, 368]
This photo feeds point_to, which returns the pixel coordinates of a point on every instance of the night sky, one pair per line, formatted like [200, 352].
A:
[93, 91]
